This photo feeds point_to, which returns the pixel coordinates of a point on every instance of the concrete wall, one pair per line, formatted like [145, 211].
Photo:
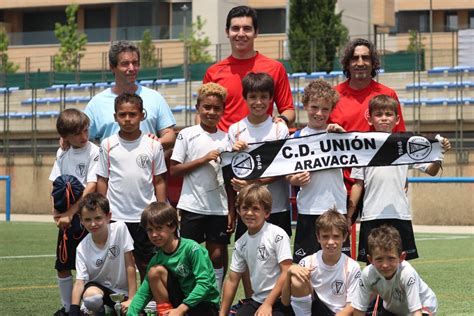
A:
[449, 204]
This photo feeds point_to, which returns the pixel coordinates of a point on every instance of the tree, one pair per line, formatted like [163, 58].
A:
[6, 66]
[316, 32]
[197, 43]
[415, 42]
[148, 58]
[73, 43]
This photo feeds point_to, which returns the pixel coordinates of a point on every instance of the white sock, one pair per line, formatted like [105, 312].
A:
[219, 276]
[301, 305]
[65, 291]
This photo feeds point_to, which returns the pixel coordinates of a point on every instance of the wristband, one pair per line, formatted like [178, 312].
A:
[284, 118]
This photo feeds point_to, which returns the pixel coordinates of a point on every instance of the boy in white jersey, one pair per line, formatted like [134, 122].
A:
[392, 278]
[324, 283]
[104, 261]
[80, 161]
[205, 212]
[265, 250]
[258, 126]
[385, 198]
[322, 190]
[130, 174]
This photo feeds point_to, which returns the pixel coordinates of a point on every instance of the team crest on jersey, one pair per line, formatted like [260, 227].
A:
[182, 270]
[338, 288]
[300, 252]
[194, 248]
[99, 262]
[278, 238]
[179, 137]
[357, 275]
[397, 294]
[142, 161]
[262, 253]
[81, 170]
[113, 252]
[411, 281]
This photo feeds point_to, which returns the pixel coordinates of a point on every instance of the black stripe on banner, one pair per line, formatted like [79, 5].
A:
[393, 147]
[261, 158]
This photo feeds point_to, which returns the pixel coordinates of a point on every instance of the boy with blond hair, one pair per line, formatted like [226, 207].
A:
[385, 198]
[392, 278]
[321, 190]
[264, 249]
[80, 161]
[205, 212]
[324, 283]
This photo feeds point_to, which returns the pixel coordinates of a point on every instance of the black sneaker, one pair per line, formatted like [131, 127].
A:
[61, 312]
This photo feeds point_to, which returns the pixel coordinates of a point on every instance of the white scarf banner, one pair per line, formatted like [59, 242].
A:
[329, 150]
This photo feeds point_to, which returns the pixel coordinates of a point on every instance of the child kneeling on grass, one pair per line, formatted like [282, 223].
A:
[392, 278]
[180, 276]
[104, 260]
[324, 283]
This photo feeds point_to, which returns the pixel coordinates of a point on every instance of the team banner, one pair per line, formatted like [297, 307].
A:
[329, 150]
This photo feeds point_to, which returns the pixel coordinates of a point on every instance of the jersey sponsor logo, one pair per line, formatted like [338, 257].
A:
[182, 270]
[411, 281]
[194, 137]
[262, 253]
[278, 238]
[142, 160]
[338, 288]
[418, 147]
[242, 164]
[300, 252]
[81, 170]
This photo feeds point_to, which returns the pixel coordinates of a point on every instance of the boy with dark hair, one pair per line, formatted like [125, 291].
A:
[385, 198]
[205, 212]
[258, 126]
[130, 173]
[79, 161]
[264, 249]
[324, 283]
[180, 277]
[392, 278]
[321, 190]
[104, 261]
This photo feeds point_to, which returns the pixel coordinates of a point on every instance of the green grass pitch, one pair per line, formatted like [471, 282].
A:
[28, 281]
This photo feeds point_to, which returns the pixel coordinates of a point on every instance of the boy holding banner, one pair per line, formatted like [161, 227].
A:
[321, 190]
[258, 126]
[385, 198]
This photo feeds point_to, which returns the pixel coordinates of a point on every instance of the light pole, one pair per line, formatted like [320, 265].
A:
[431, 34]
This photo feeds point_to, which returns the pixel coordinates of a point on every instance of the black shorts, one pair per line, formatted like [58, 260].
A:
[250, 306]
[201, 228]
[143, 250]
[176, 297]
[405, 229]
[107, 300]
[68, 240]
[306, 242]
[319, 308]
[281, 219]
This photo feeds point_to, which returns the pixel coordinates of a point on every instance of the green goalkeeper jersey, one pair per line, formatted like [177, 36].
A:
[191, 267]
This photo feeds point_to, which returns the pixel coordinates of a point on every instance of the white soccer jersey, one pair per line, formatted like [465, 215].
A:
[78, 162]
[385, 195]
[203, 190]
[128, 166]
[262, 253]
[403, 294]
[265, 131]
[106, 265]
[335, 285]
[325, 189]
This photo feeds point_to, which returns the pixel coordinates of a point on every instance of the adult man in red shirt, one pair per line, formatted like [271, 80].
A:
[360, 64]
[242, 29]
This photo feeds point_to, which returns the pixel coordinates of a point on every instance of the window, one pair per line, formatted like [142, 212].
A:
[97, 24]
[451, 21]
[179, 11]
[412, 20]
[271, 21]
[471, 19]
